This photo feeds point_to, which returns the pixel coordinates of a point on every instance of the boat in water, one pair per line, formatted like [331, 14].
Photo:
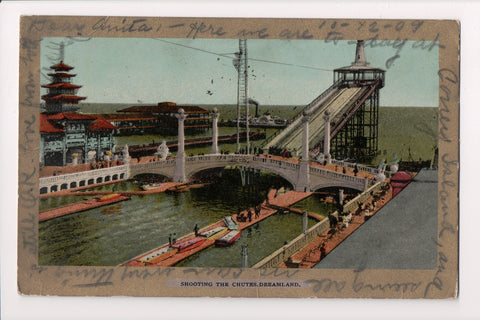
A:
[152, 186]
[268, 121]
[230, 223]
[179, 188]
[158, 255]
[190, 244]
[213, 232]
[229, 238]
[109, 197]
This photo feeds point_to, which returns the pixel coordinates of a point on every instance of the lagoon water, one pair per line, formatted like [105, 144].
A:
[116, 233]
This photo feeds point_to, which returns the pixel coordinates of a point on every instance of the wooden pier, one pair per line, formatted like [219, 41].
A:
[78, 207]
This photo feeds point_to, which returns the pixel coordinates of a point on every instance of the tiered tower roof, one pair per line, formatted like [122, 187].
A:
[62, 95]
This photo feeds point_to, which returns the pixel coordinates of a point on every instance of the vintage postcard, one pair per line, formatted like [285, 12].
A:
[238, 157]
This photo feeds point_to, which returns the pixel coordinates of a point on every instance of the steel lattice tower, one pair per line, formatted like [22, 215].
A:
[241, 64]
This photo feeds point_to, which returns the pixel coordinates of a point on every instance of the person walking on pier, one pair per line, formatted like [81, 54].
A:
[249, 215]
[333, 220]
[323, 250]
[195, 229]
[170, 240]
[257, 212]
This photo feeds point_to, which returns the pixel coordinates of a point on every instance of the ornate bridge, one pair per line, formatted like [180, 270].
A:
[315, 177]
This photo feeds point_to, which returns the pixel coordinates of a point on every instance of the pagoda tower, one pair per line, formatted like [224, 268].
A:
[62, 94]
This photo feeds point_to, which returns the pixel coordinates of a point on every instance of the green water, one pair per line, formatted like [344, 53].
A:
[118, 232]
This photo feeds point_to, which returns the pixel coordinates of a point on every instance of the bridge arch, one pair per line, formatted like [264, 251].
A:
[334, 184]
[190, 173]
[281, 169]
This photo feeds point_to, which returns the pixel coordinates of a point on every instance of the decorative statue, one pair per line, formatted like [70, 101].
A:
[162, 151]
[394, 164]
[92, 155]
[380, 176]
[125, 154]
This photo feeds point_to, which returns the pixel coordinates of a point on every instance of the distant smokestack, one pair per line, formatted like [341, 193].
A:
[360, 54]
[251, 101]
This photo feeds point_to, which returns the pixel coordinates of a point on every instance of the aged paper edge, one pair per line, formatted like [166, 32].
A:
[107, 281]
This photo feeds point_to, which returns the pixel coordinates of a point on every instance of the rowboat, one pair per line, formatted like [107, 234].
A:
[213, 232]
[230, 223]
[158, 255]
[187, 245]
[229, 238]
[109, 197]
[179, 188]
[151, 186]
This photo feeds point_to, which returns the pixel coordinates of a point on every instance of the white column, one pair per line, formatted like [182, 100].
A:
[326, 141]
[244, 256]
[365, 184]
[215, 115]
[179, 175]
[305, 222]
[303, 181]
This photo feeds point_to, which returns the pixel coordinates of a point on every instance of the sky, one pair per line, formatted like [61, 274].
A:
[200, 71]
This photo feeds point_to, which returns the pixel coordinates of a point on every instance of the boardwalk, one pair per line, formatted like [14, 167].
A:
[310, 255]
[284, 200]
[77, 207]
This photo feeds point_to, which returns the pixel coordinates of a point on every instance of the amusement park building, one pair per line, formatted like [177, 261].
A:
[67, 136]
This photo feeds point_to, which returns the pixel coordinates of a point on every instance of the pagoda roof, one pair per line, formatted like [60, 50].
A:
[49, 97]
[71, 116]
[101, 124]
[164, 107]
[46, 126]
[62, 75]
[61, 67]
[61, 85]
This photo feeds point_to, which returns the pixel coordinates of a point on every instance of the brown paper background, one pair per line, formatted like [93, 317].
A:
[107, 281]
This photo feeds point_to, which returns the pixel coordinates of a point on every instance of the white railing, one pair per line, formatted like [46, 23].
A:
[238, 159]
[84, 175]
[352, 205]
[281, 255]
[360, 167]
[336, 175]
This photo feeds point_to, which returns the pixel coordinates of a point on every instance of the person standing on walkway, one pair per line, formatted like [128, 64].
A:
[170, 240]
[249, 215]
[323, 250]
[195, 229]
